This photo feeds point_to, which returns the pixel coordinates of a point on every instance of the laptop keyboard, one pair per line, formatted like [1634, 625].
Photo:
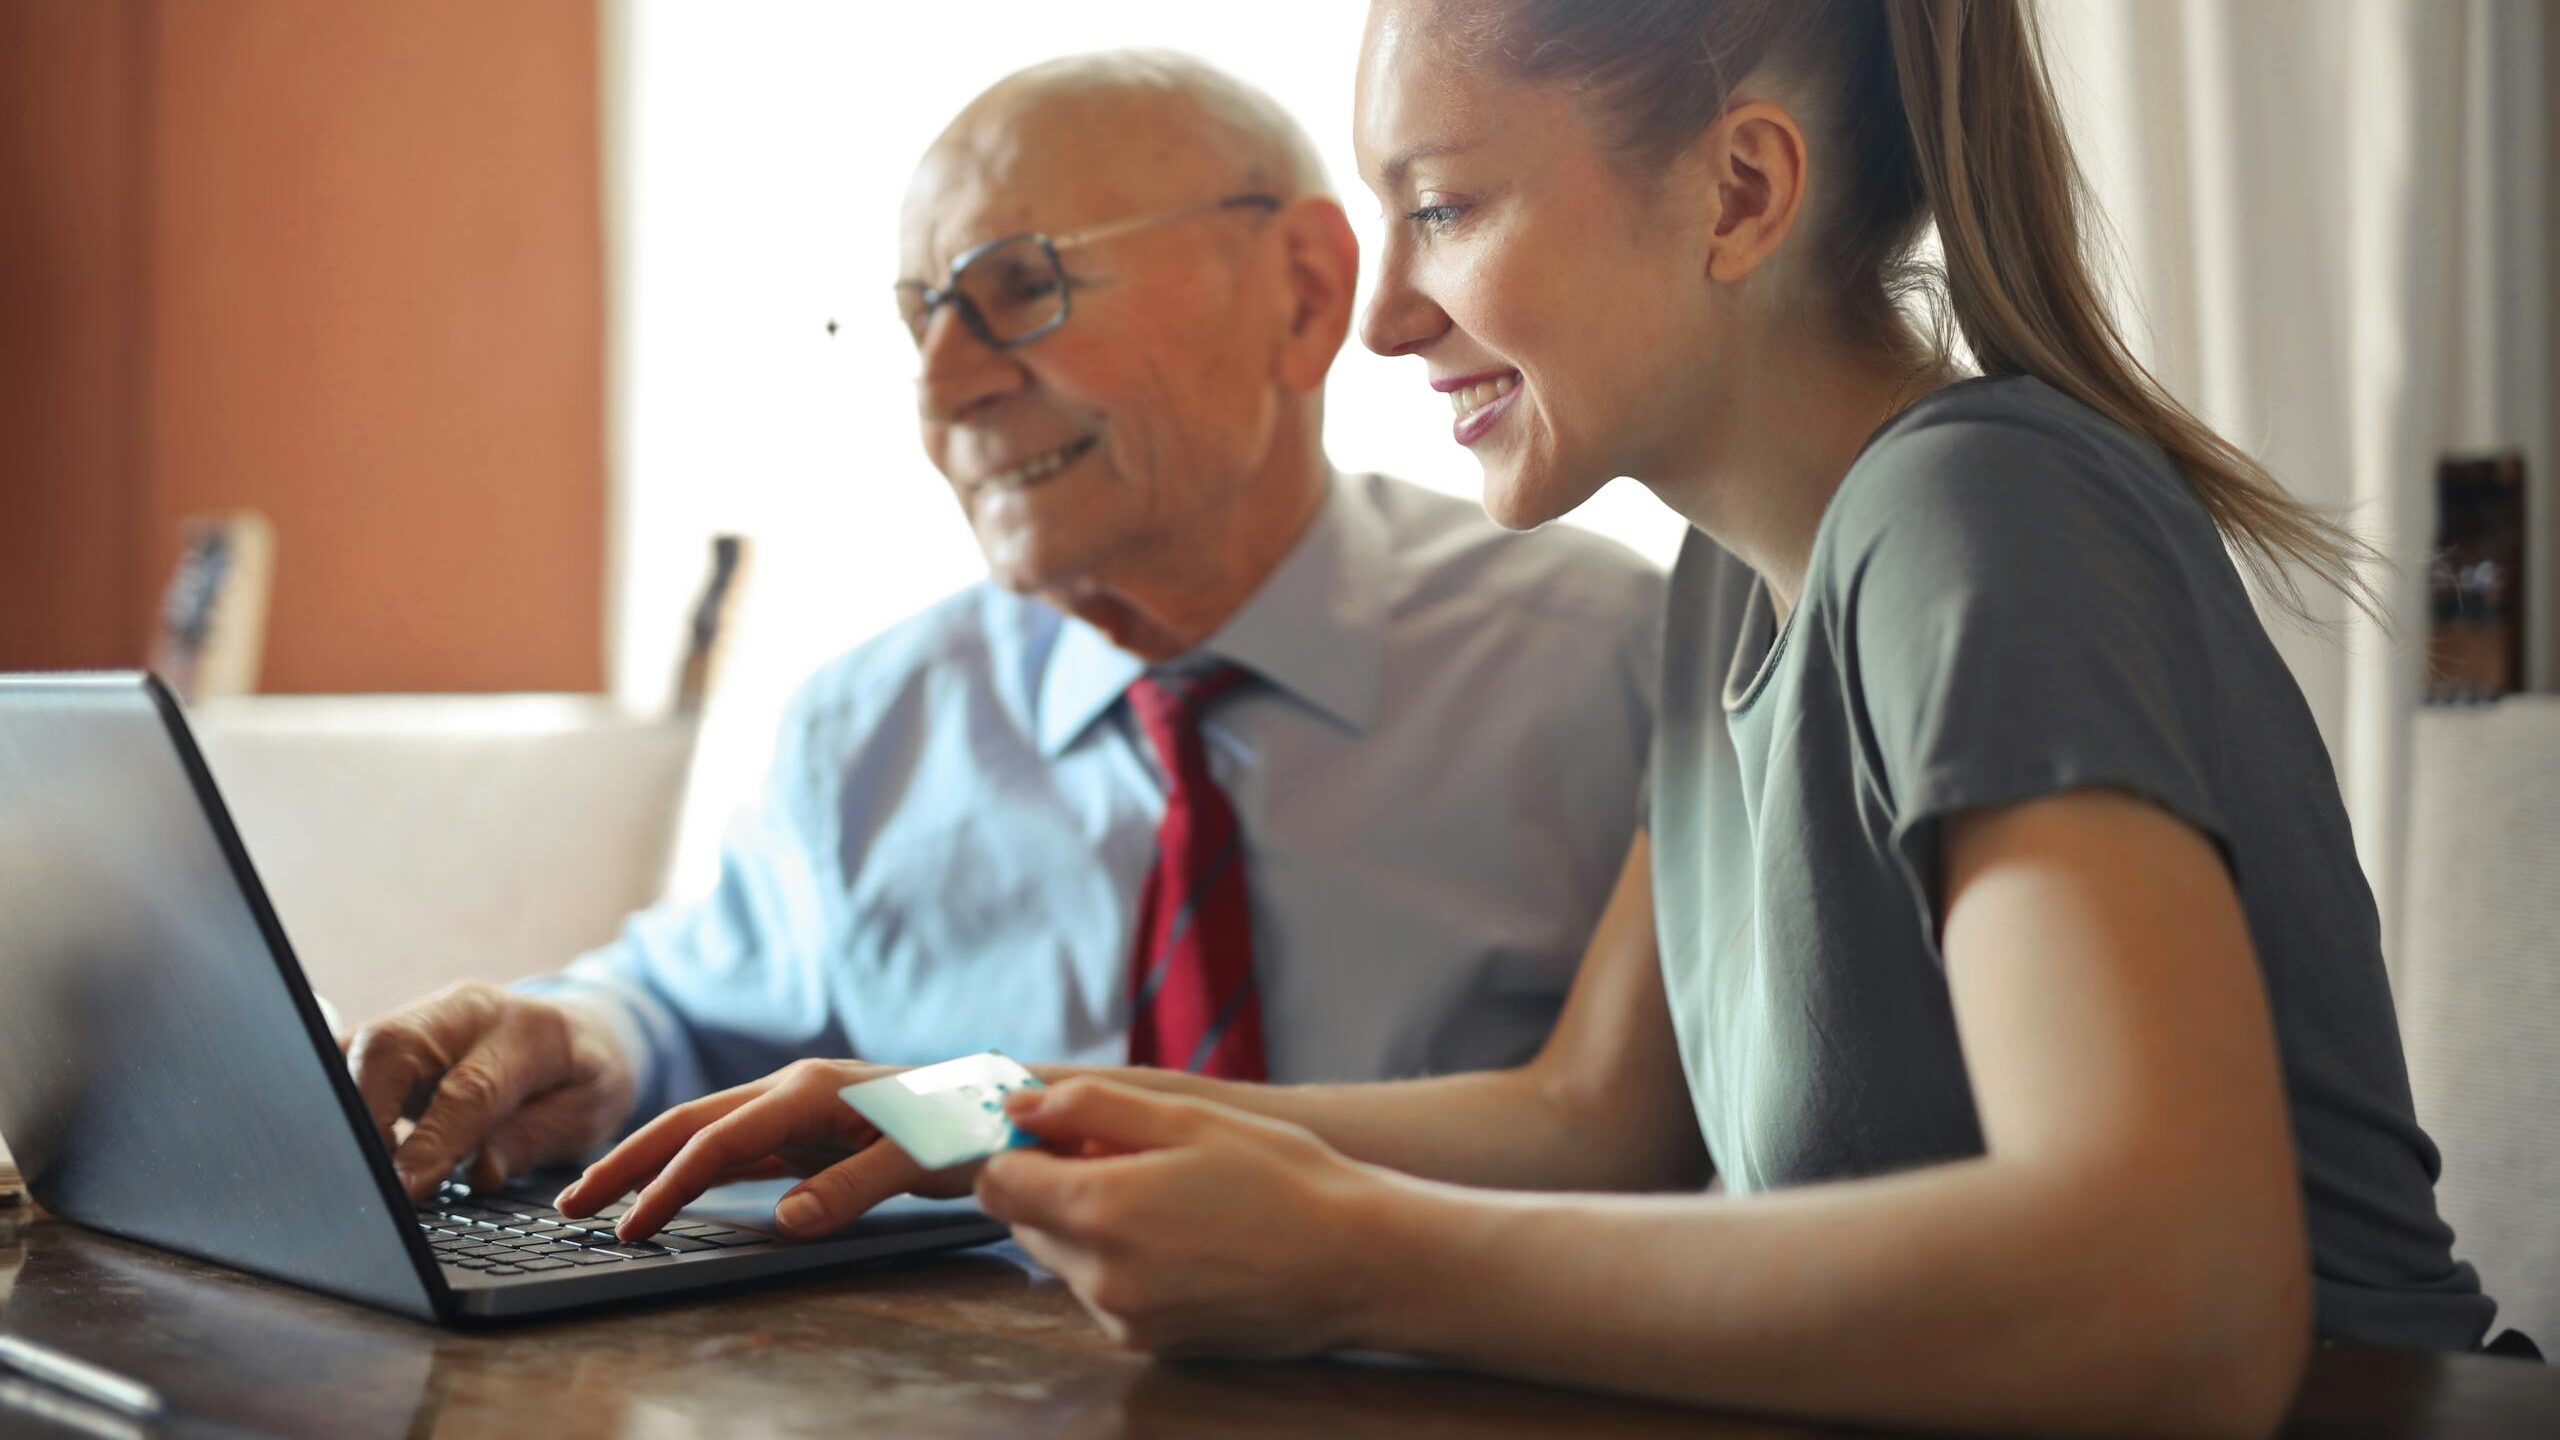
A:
[498, 1234]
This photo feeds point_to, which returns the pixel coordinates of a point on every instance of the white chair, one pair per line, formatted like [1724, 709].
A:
[409, 841]
[2480, 990]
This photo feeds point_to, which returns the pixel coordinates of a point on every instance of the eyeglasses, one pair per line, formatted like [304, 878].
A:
[1011, 290]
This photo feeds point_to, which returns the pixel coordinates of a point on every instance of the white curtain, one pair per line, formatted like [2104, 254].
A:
[2333, 243]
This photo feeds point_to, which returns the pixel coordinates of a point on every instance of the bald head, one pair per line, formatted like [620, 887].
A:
[1145, 459]
[1157, 106]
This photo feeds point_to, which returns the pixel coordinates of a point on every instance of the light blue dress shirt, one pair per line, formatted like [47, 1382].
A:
[1438, 770]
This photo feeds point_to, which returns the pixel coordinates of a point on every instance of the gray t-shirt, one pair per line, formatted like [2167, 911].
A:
[2009, 596]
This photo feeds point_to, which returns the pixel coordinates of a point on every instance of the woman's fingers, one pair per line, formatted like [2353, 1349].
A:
[1043, 1191]
[771, 1167]
[1078, 1267]
[646, 1151]
[1095, 1116]
[843, 1192]
[792, 1113]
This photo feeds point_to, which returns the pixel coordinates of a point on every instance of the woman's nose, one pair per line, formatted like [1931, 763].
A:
[1400, 318]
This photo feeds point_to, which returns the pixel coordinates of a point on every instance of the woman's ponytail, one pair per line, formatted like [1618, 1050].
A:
[1978, 147]
[2007, 197]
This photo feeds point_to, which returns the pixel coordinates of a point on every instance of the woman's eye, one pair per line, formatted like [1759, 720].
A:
[1434, 217]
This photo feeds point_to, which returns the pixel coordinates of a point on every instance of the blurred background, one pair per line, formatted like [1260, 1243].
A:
[389, 369]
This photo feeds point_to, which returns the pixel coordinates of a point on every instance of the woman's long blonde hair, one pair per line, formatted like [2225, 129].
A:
[1944, 113]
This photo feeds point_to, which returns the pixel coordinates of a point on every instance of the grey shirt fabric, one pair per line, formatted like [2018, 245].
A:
[2008, 597]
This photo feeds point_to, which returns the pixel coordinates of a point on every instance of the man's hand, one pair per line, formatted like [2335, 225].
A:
[791, 1122]
[524, 1082]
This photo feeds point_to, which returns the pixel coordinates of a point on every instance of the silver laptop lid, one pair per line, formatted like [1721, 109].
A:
[164, 1072]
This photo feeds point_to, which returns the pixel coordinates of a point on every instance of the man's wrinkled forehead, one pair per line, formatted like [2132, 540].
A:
[1052, 162]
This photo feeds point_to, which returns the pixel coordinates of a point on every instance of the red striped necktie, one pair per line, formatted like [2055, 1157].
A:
[1195, 1004]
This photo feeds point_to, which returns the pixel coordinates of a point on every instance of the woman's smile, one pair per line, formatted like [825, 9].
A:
[1480, 400]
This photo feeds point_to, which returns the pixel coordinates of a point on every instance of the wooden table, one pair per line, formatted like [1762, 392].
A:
[982, 1343]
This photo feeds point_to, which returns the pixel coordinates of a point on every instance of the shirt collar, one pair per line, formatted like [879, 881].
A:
[1316, 629]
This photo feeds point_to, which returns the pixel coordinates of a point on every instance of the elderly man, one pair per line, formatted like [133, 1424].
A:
[1237, 765]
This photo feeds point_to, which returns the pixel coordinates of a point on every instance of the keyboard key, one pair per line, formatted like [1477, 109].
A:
[592, 1257]
[541, 1263]
[468, 1262]
[722, 1236]
[504, 1270]
[682, 1244]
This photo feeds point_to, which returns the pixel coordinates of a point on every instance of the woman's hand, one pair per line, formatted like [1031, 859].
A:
[1187, 1227]
[791, 1122]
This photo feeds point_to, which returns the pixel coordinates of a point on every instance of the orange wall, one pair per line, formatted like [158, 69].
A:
[71, 523]
[362, 292]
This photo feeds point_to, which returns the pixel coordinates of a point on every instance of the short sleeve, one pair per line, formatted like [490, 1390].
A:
[2013, 607]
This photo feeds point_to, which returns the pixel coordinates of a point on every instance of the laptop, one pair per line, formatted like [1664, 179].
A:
[166, 1076]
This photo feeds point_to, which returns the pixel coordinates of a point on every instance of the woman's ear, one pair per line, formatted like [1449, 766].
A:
[1755, 168]
[1322, 259]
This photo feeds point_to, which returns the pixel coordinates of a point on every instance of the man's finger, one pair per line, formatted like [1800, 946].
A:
[396, 1060]
[389, 1064]
[472, 1098]
[1121, 1117]
[545, 1129]
[645, 1151]
[843, 1192]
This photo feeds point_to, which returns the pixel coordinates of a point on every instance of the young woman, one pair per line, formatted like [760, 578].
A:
[1997, 939]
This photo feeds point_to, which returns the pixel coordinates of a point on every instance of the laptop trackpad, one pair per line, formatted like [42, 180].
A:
[749, 1205]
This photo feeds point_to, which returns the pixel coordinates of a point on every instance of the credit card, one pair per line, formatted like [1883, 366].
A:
[947, 1114]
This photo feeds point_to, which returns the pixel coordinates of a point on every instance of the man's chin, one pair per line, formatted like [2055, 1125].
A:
[1022, 564]
[1121, 623]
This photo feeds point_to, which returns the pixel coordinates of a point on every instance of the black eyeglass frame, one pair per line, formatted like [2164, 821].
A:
[932, 298]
